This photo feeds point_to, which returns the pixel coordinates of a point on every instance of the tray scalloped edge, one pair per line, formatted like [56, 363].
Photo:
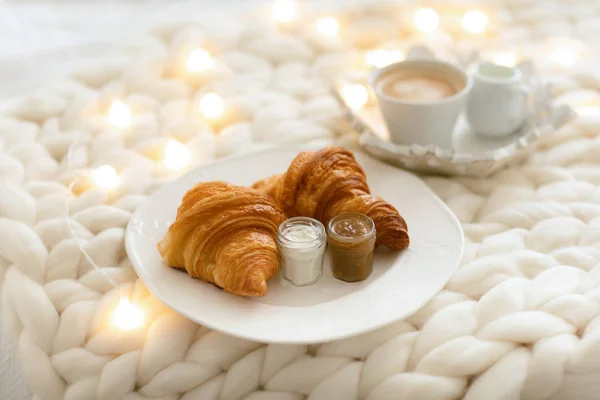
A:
[433, 159]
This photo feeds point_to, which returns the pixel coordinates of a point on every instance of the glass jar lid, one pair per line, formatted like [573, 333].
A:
[351, 226]
[301, 232]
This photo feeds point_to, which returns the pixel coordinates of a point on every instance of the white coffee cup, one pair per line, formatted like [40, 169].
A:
[498, 102]
[428, 122]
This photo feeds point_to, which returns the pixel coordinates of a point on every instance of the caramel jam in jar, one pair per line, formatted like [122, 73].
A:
[351, 239]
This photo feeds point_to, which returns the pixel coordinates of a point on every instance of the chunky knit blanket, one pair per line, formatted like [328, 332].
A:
[519, 319]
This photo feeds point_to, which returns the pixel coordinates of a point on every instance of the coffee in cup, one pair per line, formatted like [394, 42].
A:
[415, 87]
[420, 100]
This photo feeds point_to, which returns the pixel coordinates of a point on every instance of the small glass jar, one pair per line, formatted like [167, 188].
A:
[301, 242]
[351, 239]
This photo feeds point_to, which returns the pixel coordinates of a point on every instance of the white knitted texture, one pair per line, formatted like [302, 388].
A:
[519, 319]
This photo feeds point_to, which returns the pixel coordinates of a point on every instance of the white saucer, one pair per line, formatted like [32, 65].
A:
[471, 154]
[401, 283]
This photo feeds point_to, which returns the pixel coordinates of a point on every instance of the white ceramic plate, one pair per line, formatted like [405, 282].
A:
[400, 284]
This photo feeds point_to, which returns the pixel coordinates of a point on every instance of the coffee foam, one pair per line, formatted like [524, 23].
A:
[430, 83]
[416, 88]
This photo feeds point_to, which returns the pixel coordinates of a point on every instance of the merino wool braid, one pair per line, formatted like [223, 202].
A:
[520, 318]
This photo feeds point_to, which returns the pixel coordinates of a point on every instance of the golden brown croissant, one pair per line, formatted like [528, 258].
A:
[328, 182]
[225, 234]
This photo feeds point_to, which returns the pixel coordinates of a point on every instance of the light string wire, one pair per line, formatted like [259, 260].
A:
[74, 234]
[153, 15]
[70, 194]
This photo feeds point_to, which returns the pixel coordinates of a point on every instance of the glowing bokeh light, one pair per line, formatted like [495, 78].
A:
[426, 20]
[199, 60]
[475, 21]
[284, 11]
[328, 26]
[105, 177]
[505, 59]
[177, 155]
[211, 106]
[119, 114]
[128, 316]
[355, 95]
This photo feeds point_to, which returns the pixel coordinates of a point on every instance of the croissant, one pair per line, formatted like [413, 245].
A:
[328, 182]
[225, 234]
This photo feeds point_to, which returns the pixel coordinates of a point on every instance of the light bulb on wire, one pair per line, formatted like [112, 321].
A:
[211, 106]
[177, 155]
[284, 11]
[127, 316]
[199, 60]
[588, 110]
[105, 177]
[475, 21]
[564, 56]
[381, 57]
[426, 20]
[119, 114]
[328, 26]
[505, 59]
[562, 52]
[354, 95]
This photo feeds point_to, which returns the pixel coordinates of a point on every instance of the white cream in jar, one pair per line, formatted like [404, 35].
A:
[302, 242]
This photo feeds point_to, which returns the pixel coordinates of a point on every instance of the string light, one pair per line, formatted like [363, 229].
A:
[505, 59]
[177, 155]
[128, 316]
[380, 57]
[564, 56]
[119, 114]
[588, 110]
[355, 95]
[426, 20]
[211, 106]
[475, 21]
[284, 11]
[199, 60]
[563, 52]
[328, 26]
[68, 216]
[105, 177]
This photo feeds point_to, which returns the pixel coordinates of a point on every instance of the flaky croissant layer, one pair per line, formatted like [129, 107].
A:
[328, 182]
[225, 234]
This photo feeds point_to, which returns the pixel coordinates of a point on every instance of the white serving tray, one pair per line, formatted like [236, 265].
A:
[401, 282]
[470, 155]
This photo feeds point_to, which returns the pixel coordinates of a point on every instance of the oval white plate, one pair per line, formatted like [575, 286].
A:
[401, 282]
